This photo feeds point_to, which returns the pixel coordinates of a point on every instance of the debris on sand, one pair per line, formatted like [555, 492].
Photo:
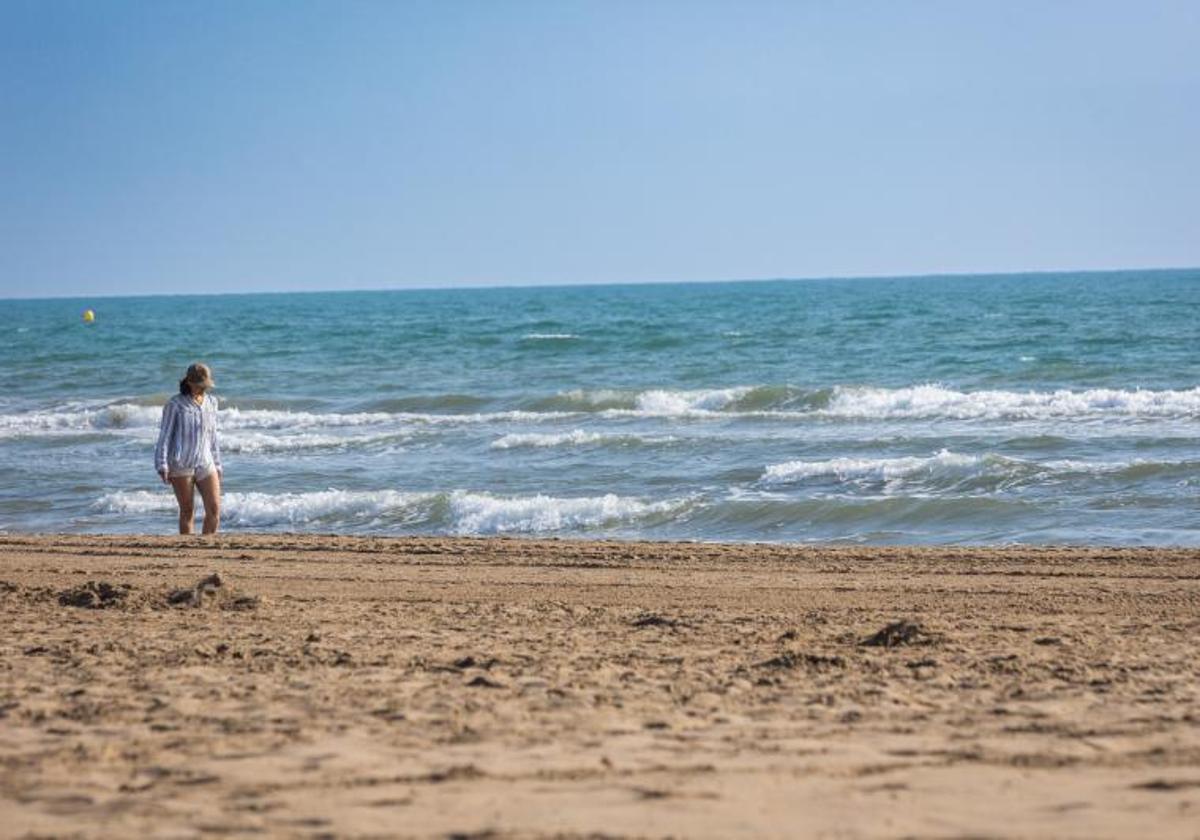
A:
[1168, 784]
[652, 620]
[194, 596]
[483, 682]
[895, 634]
[212, 590]
[791, 660]
[94, 595]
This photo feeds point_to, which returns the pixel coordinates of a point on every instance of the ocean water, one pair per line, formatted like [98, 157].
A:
[983, 410]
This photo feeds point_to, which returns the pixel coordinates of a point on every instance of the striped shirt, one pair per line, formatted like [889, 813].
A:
[187, 436]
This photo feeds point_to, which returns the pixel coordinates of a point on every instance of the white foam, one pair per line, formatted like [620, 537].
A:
[273, 509]
[80, 417]
[469, 512]
[662, 403]
[236, 418]
[136, 501]
[576, 437]
[936, 401]
[303, 508]
[549, 336]
[292, 420]
[874, 468]
[655, 402]
[481, 513]
[129, 417]
[256, 443]
[596, 397]
[931, 401]
[1072, 465]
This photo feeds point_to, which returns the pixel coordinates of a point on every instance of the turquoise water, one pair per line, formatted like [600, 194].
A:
[1023, 408]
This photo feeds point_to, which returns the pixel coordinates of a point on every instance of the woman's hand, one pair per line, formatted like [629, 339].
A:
[163, 475]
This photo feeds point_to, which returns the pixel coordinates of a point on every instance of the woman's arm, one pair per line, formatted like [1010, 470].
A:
[215, 447]
[165, 428]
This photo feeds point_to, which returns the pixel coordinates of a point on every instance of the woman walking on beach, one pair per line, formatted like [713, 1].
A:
[187, 455]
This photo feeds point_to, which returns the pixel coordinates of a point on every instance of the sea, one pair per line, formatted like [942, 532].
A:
[982, 410]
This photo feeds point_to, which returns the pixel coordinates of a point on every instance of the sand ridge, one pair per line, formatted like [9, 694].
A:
[433, 687]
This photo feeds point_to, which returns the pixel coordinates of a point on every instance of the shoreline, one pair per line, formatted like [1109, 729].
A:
[347, 540]
[428, 686]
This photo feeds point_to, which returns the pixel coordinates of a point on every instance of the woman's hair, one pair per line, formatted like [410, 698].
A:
[197, 374]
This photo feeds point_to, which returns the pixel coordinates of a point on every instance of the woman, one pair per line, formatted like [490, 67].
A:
[187, 456]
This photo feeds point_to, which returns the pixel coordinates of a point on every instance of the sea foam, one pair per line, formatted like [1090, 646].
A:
[576, 437]
[258, 443]
[918, 402]
[936, 401]
[131, 417]
[871, 468]
[459, 512]
[549, 336]
[481, 513]
[677, 403]
[273, 509]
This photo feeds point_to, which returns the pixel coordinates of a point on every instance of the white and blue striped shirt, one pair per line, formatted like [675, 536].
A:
[187, 437]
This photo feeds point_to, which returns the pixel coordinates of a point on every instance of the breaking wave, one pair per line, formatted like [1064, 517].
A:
[935, 401]
[257, 443]
[457, 512]
[946, 470]
[665, 402]
[929, 401]
[480, 513]
[279, 509]
[871, 468]
[576, 437]
[784, 402]
[127, 416]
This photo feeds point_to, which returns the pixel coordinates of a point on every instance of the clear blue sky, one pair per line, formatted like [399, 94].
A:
[211, 146]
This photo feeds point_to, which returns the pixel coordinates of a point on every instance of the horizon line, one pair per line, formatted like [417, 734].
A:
[616, 283]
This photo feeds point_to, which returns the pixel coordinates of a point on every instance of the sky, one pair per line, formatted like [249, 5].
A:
[262, 145]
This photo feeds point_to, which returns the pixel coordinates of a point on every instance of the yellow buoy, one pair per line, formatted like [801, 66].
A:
[89, 315]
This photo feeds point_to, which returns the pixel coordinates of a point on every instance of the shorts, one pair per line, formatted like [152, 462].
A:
[198, 473]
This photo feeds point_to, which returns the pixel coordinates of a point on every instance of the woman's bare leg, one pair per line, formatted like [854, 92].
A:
[185, 493]
[210, 493]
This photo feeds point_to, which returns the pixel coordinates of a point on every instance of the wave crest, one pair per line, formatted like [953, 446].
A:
[458, 512]
[479, 513]
[667, 402]
[537, 336]
[935, 401]
[275, 509]
[883, 469]
[257, 443]
[576, 437]
[772, 402]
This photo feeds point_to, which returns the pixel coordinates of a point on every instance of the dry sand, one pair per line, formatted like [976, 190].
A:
[427, 687]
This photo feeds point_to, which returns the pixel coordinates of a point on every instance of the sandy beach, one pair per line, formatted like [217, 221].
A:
[428, 687]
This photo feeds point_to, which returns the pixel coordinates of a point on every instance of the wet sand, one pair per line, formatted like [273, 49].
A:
[427, 687]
